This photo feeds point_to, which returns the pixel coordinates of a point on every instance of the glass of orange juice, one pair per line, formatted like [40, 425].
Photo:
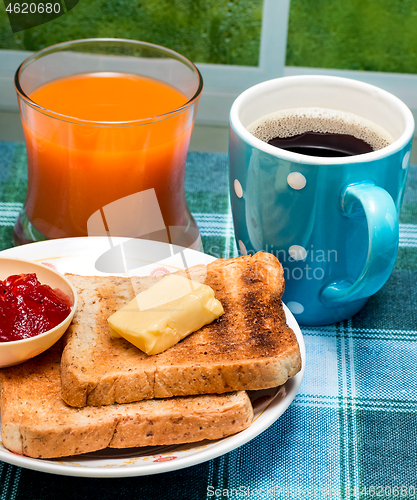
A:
[107, 125]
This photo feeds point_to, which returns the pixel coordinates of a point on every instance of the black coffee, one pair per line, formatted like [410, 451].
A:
[320, 132]
[323, 144]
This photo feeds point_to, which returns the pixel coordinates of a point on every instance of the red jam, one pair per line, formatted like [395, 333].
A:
[28, 308]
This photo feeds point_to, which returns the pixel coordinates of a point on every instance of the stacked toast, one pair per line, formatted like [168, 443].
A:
[93, 391]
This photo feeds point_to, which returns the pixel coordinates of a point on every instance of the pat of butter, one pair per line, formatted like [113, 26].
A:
[164, 314]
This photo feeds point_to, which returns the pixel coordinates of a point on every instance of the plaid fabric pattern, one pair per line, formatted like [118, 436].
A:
[351, 432]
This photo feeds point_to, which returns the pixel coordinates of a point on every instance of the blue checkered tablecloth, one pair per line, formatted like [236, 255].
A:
[351, 432]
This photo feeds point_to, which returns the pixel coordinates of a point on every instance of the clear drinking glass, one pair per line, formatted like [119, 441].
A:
[122, 177]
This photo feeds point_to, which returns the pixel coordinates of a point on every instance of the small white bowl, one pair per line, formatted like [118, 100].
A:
[18, 351]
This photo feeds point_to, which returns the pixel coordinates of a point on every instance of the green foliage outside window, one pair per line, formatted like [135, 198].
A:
[209, 31]
[369, 35]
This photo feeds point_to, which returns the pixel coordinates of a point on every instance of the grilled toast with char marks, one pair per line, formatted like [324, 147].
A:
[37, 423]
[249, 347]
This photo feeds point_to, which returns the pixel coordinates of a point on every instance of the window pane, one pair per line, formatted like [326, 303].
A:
[370, 35]
[205, 31]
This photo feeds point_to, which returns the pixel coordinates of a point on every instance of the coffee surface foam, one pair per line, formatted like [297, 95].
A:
[295, 121]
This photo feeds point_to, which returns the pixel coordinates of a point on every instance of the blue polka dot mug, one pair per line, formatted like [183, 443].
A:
[331, 220]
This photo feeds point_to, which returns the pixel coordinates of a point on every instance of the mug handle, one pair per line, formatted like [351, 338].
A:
[383, 236]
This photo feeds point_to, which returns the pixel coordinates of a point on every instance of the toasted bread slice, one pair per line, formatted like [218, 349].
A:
[36, 422]
[249, 347]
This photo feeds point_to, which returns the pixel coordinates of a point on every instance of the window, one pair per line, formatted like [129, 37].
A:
[238, 43]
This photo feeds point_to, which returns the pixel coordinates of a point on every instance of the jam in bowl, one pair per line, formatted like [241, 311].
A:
[37, 305]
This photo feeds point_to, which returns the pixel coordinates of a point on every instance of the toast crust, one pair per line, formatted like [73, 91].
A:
[250, 347]
[37, 423]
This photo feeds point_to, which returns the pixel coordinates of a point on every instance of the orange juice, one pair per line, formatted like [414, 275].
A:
[101, 137]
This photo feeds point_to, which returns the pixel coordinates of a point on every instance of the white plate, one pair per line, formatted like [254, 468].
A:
[79, 256]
